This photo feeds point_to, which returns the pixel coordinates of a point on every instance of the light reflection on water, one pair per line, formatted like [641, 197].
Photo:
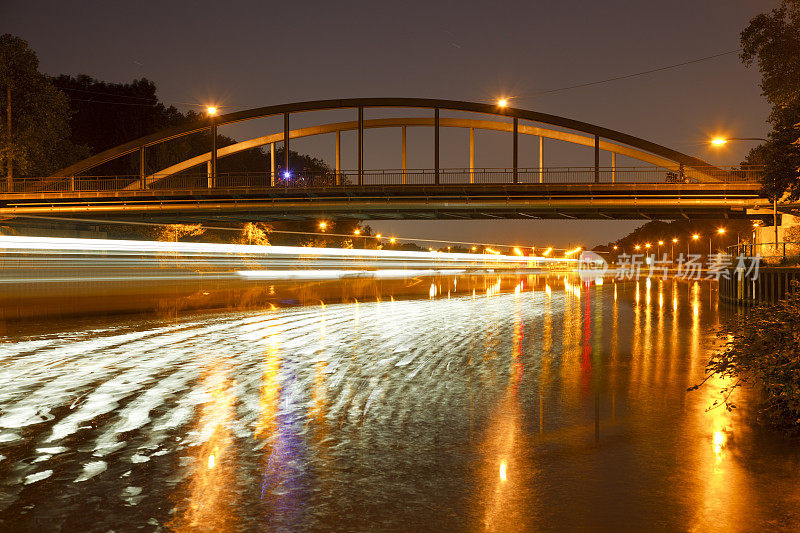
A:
[528, 404]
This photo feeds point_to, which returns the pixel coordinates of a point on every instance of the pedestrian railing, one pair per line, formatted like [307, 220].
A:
[298, 179]
[771, 252]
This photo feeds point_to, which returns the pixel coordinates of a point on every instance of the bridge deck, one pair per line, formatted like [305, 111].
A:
[428, 201]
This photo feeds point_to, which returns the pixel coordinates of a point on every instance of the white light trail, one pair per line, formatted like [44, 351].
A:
[29, 259]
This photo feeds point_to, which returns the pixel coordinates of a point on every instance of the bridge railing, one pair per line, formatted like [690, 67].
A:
[388, 177]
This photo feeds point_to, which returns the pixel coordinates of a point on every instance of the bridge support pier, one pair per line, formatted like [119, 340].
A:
[516, 150]
[597, 158]
[472, 155]
[142, 170]
[613, 167]
[361, 146]
[286, 142]
[436, 145]
[403, 157]
[338, 157]
[541, 159]
[271, 164]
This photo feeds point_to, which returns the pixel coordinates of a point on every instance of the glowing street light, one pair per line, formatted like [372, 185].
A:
[547, 252]
[356, 231]
[392, 240]
[212, 177]
[637, 247]
[503, 102]
[517, 251]
[323, 225]
[378, 236]
[721, 141]
[720, 231]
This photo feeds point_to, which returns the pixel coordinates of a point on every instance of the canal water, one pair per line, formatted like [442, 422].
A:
[514, 404]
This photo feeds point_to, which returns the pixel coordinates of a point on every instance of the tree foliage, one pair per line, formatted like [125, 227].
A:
[765, 352]
[256, 233]
[39, 141]
[174, 232]
[772, 41]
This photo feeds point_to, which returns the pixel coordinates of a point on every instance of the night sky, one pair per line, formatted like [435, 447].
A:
[251, 54]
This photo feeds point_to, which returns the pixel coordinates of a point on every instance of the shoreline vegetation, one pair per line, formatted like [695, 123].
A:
[763, 351]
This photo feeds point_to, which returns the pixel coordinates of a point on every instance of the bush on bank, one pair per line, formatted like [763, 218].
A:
[764, 352]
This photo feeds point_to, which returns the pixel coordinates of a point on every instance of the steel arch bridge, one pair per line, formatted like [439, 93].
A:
[670, 185]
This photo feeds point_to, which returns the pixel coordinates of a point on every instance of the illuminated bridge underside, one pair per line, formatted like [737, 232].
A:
[471, 201]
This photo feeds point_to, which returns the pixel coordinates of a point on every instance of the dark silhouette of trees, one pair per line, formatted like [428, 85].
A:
[35, 137]
[772, 41]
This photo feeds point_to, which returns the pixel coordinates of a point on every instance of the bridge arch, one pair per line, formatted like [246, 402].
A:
[599, 137]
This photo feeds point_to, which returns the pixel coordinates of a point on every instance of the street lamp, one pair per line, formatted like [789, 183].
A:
[721, 141]
[660, 244]
[720, 231]
[672, 249]
[323, 225]
[212, 175]
[502, 102]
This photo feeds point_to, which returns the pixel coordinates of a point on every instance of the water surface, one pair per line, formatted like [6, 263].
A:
[545, 405]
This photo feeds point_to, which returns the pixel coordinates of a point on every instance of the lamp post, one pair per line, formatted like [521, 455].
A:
[672, 249]
[695, 236]
[212, 115]
[720, 231]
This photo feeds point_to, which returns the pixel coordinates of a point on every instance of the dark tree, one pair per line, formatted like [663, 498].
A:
[772, 41]
[35, 119]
